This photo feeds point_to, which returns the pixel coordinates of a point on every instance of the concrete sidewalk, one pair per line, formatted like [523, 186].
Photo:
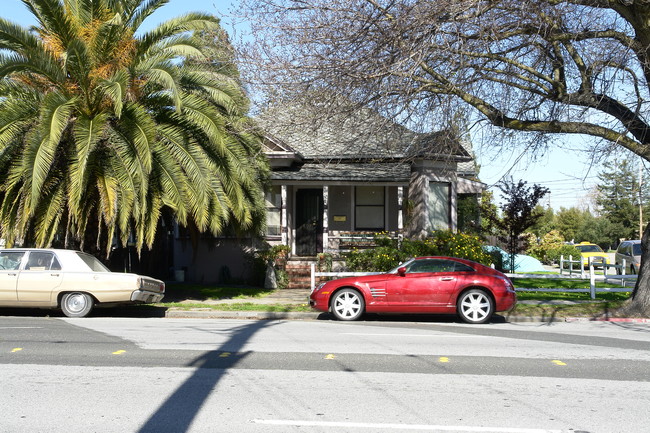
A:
[301, 297]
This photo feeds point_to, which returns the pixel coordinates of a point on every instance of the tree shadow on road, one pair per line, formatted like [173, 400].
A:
[181, 408]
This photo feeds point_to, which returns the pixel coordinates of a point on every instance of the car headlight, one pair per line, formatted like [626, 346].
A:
[320, 286]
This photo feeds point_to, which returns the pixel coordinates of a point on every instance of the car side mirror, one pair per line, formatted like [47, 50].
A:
[401, 271]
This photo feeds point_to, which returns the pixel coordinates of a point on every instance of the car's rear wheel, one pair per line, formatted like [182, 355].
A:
[475, 306]
[77, 304]
[347, 304]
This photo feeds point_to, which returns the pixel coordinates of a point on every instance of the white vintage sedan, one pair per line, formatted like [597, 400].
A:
[70, 280]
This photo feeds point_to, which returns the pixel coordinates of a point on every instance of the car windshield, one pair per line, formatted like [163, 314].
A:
[92, 262]
[589, 248]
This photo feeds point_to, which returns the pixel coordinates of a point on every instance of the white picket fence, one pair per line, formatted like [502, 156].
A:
[592, 276]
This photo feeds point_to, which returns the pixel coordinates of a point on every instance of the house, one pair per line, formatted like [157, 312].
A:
[337, 180]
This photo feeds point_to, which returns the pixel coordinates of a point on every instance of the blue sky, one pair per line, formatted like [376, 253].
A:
[563, 171]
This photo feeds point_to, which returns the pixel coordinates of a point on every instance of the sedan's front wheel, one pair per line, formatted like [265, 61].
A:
[77, 304]
[348, 304]
[475, 306]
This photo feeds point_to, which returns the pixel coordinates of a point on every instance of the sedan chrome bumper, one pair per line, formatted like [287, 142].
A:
[146, 297]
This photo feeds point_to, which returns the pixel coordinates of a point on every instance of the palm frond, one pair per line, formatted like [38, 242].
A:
[144, 9]
[15, 38]
[115, 89]
[39, 154]
[49, 214]
[190, 22]
[87, 133]
[40, 65]
[52, 18]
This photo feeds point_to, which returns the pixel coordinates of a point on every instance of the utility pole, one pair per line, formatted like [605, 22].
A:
[640, 198]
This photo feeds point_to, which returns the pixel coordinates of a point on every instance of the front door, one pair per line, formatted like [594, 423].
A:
[309, 222]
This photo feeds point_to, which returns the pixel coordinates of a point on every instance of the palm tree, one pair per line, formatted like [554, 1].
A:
[103, 129]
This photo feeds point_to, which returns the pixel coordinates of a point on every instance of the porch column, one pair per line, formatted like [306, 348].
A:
[453, 211]
[325, 218]
[283, 215]
[400, 215]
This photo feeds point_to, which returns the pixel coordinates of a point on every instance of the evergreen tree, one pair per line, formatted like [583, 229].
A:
[620, 191]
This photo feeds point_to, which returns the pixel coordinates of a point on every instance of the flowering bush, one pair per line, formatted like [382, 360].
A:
[551, 247]
[442, 243]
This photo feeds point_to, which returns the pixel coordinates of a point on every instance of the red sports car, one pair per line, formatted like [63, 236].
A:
[421, 285]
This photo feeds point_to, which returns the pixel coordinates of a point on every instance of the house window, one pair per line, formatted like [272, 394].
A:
[369, 207]
[439, 205]
[274, 211]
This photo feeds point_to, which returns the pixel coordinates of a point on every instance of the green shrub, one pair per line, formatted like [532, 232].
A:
[550, 247]
[563, 250]
[282, 278]
[442, 243]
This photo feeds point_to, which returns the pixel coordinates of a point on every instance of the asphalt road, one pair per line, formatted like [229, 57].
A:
[132, 374]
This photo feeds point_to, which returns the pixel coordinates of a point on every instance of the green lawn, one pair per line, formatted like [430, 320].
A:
[200, 292]
[568, 285]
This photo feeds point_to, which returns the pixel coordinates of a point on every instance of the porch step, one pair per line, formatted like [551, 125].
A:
[299, 274]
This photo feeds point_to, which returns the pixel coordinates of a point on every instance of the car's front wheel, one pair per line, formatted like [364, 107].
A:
[77, 304]
[348, 304]
[475, 306]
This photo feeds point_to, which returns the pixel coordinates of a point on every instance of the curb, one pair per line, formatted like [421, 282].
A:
[250, 315]
[264, 315]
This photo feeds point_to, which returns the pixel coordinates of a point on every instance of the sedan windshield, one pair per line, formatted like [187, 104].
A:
[92, 262]
[589, 248]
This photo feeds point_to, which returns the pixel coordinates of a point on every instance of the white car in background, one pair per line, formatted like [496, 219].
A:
[70, 280]
[629, 252]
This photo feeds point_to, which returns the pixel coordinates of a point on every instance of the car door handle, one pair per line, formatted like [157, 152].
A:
[54, 275]
[12, 275]
[446, 278]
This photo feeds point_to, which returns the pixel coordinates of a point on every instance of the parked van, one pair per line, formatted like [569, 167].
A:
[630, 251]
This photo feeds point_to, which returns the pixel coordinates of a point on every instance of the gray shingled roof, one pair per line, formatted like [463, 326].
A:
[360, 134]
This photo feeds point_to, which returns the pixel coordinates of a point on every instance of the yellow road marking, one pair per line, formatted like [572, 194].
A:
[119, 352]
[443, 359]
[330, 356]
[224, 355]
[17, 349]
[558, 362]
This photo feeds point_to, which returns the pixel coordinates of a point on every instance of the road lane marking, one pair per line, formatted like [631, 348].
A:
[406, 335]
[21, 327]
[330, 356]
[119, 352]
[224, 355]
[558, 362]
[444, 428]
[443, 359]
[17, 349]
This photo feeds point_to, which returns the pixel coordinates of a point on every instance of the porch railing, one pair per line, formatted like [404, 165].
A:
[346, 241]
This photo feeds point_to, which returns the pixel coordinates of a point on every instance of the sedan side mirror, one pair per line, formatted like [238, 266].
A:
[401, 271]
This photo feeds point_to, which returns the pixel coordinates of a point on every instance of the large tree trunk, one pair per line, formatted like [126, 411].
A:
[639, 303]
